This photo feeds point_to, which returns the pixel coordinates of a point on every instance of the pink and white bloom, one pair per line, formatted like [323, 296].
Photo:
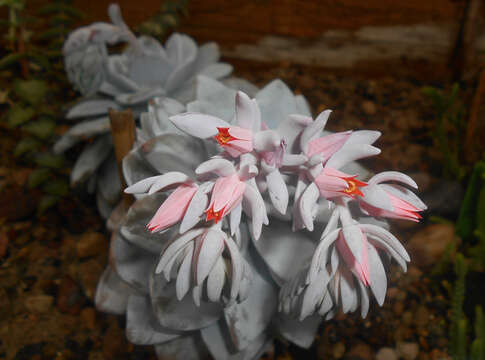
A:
[235, 140]
[198, 257]
[238, 139]
[345, 268]
[173, 209]
[391, 200]
[326, 146]
[227, 193]
[332, 183]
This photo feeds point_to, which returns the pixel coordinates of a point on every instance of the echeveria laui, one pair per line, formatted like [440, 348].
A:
[207, 251]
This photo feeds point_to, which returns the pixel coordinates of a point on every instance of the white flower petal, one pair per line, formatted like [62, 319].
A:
[169, 179]
[278, 192]
[235, 218]
[404, 194]
[314, 130]
[210, 251]
[221, 167]
[215, 280]
[377, 274]
[256, 208]
[348, 153]
[268, 140]
[393, 176]
[377, 197]
[363, 137]
[237, 267]
[184, 276]
[348, 292]
[387, 237]
[175, 246]
[314, 294]
[244, 111]
[306, 204]
[198, 125]
[195, 210]
[142, 186]
[319, 258]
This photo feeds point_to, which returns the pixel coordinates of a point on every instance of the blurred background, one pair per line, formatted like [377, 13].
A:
[411, 69]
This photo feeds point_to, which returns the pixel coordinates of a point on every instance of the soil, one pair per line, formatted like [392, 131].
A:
[47, 281]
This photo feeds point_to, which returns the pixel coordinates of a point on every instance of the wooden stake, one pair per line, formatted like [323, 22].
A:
[123, 132]
[464, 52]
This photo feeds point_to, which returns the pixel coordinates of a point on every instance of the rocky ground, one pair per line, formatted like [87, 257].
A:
[49, 264]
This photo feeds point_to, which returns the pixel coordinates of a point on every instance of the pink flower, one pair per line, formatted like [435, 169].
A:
[359, 268]
[326, 146]
[227, 193]
[235, 140]
[333, 183]
[275, 158]
[391, 200]
[173, 208]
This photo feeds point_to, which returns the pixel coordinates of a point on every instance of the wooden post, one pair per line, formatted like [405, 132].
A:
[123, 132]
[464, 52]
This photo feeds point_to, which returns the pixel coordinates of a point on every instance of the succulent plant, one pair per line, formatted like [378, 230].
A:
[143, 70]
[223, 248]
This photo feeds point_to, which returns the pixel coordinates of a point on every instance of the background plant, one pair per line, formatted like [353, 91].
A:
[166, 19]
[35, 91]
[449, 129]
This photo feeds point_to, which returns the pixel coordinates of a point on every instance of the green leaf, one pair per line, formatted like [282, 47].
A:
[56, 188]
[478, 350]
[26, 145]
[57, 8]
[38, 177]
[466, 219]
[42, 128]
[53, 33]
[480, 213]
[18, 115]
[11, 59]
[46, 202]
[31, 91]
[50, 160]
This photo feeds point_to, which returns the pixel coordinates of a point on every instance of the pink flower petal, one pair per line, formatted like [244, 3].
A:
[361, 270]
[327, 145]
[173, 208]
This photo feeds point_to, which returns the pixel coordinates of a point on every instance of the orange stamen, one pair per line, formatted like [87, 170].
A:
[214, 215]
[223, 137]
[354, 186]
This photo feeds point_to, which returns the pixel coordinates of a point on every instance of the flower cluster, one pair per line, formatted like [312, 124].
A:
[249, 223]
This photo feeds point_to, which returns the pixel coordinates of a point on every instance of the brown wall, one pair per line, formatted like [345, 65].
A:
[333, 33]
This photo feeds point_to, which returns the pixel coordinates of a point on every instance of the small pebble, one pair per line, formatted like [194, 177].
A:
[386, 354]
[421, 317]
[39, 303]
[338, 350]
[88, 316]
[408, 350]
[407, 318]
[361, 351]
[398, 308]
[427, 246]
[369, 108]
[91, 244]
